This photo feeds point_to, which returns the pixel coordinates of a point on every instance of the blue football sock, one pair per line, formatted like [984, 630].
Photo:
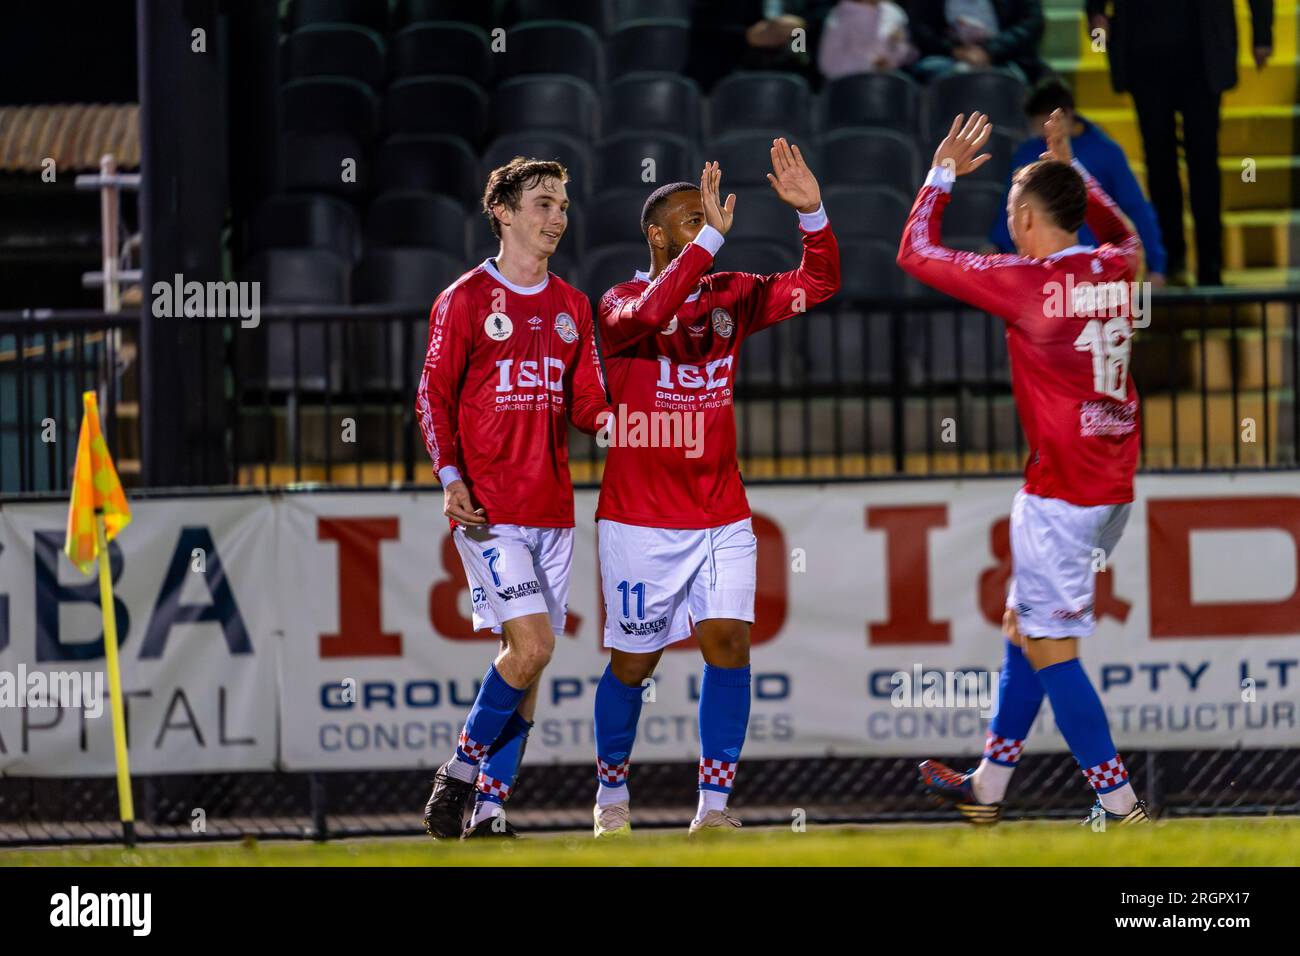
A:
[497, 772]
[618, 708]
[1020, 694]
[495, 702]
[724, 717]
[1083, 724]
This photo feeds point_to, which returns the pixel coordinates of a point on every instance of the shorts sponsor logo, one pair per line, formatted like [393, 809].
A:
[480, 598]
[723, 324]
[498, 326]
[565, 327]
[1061, 614]
[644, 628]
[512, 591]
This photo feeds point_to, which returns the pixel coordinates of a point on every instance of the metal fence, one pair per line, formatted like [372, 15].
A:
[857, 390]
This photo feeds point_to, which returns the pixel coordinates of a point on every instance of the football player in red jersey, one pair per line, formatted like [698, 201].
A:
[677, 549]
[511, 356]
[1068, 313]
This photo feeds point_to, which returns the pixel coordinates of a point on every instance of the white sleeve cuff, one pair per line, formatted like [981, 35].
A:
[1083, 171]
[942, 177]
[812, 221]
[447, 474]
[709, 239]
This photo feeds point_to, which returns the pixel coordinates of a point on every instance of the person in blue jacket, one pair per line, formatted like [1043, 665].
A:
[1102, 157]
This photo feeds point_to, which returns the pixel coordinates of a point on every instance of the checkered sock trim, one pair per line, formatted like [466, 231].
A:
[489, 788]
[611, 774]
[718, 773]
[1003, 750]
[1107, 775]
[470, 751]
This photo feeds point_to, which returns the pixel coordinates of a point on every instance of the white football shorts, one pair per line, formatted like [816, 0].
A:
[1055, 548]
[658, 581]
[515, 570]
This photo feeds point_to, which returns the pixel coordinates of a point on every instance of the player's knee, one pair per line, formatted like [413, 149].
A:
[726, 645]
[632, 671]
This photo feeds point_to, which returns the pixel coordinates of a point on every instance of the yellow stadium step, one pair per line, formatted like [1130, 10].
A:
[1089, 77]
[1243, 130]
[1249, 182]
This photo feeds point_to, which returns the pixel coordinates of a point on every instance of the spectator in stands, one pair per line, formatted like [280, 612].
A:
[861, 36]
[1179, 57]
[959, 35]
[755, 35]
[1102, 157]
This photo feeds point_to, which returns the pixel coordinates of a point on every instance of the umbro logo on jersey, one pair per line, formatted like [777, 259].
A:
[535, 323]
[498, 326]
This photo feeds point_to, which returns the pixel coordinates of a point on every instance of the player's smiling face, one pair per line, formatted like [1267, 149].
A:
[539, 222]
[681, 219]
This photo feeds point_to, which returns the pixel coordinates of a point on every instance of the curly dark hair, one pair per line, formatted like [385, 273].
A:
[506, 184]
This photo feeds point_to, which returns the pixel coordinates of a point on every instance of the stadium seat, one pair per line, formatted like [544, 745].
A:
[847, 346]
[1001, 96]
[306, 222]
[453, 49]
[869, 269]
[554, 102]
[614, 216]
[604, 268]
[768, 101]
[892, 100]
[365, 13]
[746, 157]
[869, 157]
[621, 11]
[294, 277]
[573, 153]
[760, 256]
[336, 49]
[436, 164]
[437, 104]
[314, 162]
[622, 161]
[1001, 146]
[330, 104]
[873, 212]
[762, 216]
[409, 217]
[590, 13]
[656, 44]
[653, 101]
[973, 209]
[480, 13]
[553, 46]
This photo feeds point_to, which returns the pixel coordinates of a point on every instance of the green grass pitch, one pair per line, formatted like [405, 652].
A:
[1269, 841]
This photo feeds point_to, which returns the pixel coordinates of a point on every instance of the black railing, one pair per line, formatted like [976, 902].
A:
[874, 388]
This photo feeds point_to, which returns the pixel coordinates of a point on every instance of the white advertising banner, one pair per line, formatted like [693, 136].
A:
[197, 616]
[343, 620]
[1198, 643]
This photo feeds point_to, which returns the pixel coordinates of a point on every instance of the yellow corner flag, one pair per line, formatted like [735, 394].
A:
[96, 513]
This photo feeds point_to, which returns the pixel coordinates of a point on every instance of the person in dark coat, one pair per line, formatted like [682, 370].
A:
[976, 34]
[1179, 57]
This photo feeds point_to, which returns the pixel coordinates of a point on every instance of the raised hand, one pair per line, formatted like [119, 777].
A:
[960, 150]
[716, 213]
[792, 179]
[1058, 138]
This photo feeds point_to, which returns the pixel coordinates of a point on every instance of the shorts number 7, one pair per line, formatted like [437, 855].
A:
[493, 556]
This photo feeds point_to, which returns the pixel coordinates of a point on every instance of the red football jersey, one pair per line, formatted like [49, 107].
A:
[503, 366]
[1069, 334]
[671, 348]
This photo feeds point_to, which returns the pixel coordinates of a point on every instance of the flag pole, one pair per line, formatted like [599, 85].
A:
[126, 805]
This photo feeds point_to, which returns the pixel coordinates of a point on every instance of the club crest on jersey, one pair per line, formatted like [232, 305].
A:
[498, 326]
[565, 327]
[723, 324]
[672, 327]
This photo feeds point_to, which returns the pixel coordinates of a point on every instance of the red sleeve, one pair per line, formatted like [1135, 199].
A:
[785, 294]
[587, 400]
[991, 283]
[444, 371]
[1107, 224]
[625, 320]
